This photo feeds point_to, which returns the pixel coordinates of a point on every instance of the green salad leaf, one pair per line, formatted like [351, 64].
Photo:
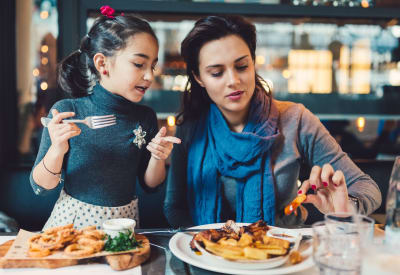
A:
[122, 242]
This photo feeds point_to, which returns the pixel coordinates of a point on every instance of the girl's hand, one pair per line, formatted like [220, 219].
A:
[161, 146]
[330, 190]
[60, 132]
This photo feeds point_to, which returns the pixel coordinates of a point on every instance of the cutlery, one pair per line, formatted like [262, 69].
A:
[93, 122]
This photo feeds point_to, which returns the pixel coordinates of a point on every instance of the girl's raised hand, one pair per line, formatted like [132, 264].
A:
[60, 132]
[161, 145]
[330, 190]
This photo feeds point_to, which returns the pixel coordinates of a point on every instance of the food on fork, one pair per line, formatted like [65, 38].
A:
[292, 207]
[243, 243]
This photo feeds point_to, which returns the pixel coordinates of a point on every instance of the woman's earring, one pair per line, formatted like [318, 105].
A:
[105, 72]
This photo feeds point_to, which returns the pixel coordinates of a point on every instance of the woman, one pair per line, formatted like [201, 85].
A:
[241, 151]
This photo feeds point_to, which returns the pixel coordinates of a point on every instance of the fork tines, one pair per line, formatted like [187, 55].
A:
[103, 121]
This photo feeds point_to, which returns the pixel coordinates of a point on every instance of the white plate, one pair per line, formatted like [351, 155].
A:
[179, 246]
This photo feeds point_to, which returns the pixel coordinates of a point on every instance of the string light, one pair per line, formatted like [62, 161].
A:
[36, 72]
[45, 60]
[44, 49]
[44, 86]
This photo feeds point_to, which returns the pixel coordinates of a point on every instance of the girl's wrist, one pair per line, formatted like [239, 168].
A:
[54, 153]
[155, 158]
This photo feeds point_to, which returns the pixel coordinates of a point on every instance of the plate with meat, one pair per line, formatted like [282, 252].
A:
[237, 247]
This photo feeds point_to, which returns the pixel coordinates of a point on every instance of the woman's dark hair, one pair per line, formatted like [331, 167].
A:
[195, 98]
[77, 73]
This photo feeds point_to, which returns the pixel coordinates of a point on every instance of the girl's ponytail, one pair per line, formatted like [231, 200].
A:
[73, 75]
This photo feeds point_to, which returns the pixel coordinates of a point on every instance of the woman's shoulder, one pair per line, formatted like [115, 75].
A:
[186, 130]
[290, 110]
[289, 107]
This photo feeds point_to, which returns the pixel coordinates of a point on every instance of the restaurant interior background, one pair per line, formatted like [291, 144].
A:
[340, 58]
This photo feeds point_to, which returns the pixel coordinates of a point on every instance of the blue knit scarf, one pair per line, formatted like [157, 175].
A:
[216, 151]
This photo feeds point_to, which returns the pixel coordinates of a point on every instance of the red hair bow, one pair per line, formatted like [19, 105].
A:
[107, 11]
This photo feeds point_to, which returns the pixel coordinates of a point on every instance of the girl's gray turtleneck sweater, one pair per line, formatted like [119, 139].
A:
[102, 165]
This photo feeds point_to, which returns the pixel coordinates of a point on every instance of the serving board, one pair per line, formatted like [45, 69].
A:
[117, 261]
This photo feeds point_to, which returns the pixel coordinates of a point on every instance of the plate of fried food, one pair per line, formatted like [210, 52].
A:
[65, 245]
[238, 248]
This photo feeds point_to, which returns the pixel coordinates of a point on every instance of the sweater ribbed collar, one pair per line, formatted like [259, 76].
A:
[110, 101]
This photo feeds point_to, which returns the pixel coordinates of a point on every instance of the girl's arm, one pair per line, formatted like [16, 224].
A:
[47, 171]
[160, 148]
[155, 172]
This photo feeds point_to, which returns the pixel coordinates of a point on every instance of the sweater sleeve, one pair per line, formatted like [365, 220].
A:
[319, 147]
[175, 205]
[45, 143]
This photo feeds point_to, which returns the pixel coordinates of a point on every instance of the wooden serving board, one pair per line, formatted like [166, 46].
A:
[116, 261]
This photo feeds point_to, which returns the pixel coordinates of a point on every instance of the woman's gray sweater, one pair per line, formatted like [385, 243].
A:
[303, 139]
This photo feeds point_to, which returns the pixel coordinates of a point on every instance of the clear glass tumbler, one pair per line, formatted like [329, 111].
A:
[336, 253]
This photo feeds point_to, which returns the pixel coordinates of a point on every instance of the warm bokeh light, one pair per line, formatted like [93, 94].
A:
[36, 72]
[364, 4]
[286, 74]
[360, 124]
[44, 49]
[44, 85]
[45, 60]
[44, 14]
[310, 71]
[260, 60]
[171, 121]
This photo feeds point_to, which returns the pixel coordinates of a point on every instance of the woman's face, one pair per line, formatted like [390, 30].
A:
[226, 71]
[131, 70]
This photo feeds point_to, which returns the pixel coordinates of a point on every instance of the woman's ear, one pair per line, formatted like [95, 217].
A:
[100, 62]
[198, 79]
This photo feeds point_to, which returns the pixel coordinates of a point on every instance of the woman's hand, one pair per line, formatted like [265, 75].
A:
[161, 145]
[330, 190]
[60, 132]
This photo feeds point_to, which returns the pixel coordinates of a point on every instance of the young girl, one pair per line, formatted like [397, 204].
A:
[241, 151]
[108, 75]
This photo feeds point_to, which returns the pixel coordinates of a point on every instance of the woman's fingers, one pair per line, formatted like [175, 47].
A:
[304, 187]
[338, 179]
[326, 175]
[330, 190]
[315, 177]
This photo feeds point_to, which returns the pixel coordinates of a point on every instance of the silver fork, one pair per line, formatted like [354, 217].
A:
[93, 122]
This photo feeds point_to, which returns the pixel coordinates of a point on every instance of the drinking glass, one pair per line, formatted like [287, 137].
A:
[392, 228]
[336, 252]
[343, 222]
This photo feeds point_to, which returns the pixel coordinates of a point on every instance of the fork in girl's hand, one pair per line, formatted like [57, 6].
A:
[93, 122]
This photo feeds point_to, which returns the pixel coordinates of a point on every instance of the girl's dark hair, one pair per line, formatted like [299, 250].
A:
[77, 73]
[195, 98]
